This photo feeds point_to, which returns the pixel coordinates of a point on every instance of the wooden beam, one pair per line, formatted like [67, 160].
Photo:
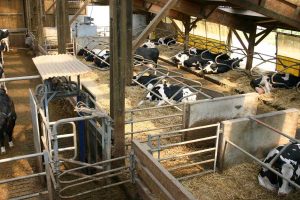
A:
[251, 46]
[28, 15]
[119, 37]
[86, 2]
[240, 39]
[190, 8]
[153, 24]
[246, 36]
[279, 10]
[50, 7]
[60, 21]
[39, 22]
[187, 29]
[266, 33]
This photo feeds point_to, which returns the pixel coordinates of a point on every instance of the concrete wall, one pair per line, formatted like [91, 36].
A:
[211, 111]
[253, 137]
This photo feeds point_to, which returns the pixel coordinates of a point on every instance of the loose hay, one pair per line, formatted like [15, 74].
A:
[238, 182]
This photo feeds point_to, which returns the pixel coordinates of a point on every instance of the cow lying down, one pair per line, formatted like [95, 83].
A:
[147, 80]
[266, 83]
[288, 164]
[167, 92]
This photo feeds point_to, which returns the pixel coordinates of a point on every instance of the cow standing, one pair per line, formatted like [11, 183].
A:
[8, 118]
[147, 54]
[288, 164]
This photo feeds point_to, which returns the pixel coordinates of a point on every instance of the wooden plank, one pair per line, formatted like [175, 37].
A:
[79, 11]
[143, 191]
[163, 13]
[169, 182]
[187, 29]
[251, 46]
[277, 9]
[240, 39]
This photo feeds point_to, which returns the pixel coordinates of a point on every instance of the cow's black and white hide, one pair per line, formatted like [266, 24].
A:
[180, 57]
[8, 118]
[221, 67]
[196, 51]
[82, 51]
[288, 164]
[1, 70]
[207, 55]
[149, 44]
[102, 59]
[90, 56]
[165, 92]
[28, 41]
[167, 41]
[148, 81]
[144, 54]
[195, 61]
[4, 33]
[266, 83]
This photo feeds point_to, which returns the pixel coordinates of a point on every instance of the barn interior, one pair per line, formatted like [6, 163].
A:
[87, 132]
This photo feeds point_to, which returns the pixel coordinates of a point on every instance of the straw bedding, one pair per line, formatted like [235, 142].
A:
[239, 182]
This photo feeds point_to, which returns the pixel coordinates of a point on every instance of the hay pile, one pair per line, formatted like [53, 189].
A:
[238, 182]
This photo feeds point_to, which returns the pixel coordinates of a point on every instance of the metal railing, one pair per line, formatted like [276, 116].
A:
[46, 173]
[161, 142]
[271, 163]
[103, 172]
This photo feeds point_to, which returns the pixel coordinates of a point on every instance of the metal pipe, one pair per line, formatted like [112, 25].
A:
[22, 177]
[263, 164]
[20, 78]
[279, 154]
[94, 175]
[153, 108]
[30, 195]
[187, 154]
[191, 164]
[94, 190]
[273, 129]
[153, 129]
[153, 118]
[20, 157]
[217, 147]
[94, 164]
[162, 147]
[183, 130]
[81, 163]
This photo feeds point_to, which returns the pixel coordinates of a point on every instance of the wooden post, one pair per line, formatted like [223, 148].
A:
[119, 37]
[251, 45]
[164, 11]
[61, 25]
[229, 39]
[28, 15]
[187, 26]
[39, 23]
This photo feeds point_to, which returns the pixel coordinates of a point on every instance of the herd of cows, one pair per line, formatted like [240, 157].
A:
[288, 163]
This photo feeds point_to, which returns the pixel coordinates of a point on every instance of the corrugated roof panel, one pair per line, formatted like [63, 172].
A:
[59, 65]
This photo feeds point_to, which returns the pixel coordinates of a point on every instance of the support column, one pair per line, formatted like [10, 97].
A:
[119, 40]
[39, 22]
[250, 49]
[61, 25]
[187, 26]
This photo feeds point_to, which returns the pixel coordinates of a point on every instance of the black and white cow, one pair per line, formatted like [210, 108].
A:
[288, 164]
[207, 55]
[222, 66]
[180, 57]
[266, 83]
[149, 44]
[4, 41]
[8, 118]
[89, 56]
[102, 59]
[1, 70]
[151, 54]
[148, 81]
[164, 93]
[196, 51]
[28, 41]
[167, 41]
[82, 51]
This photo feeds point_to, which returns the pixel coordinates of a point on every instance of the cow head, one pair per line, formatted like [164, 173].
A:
[188, 96]
[148, 44]
[210, 67]
[4, 34]
[236, 62]
[180, 58]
